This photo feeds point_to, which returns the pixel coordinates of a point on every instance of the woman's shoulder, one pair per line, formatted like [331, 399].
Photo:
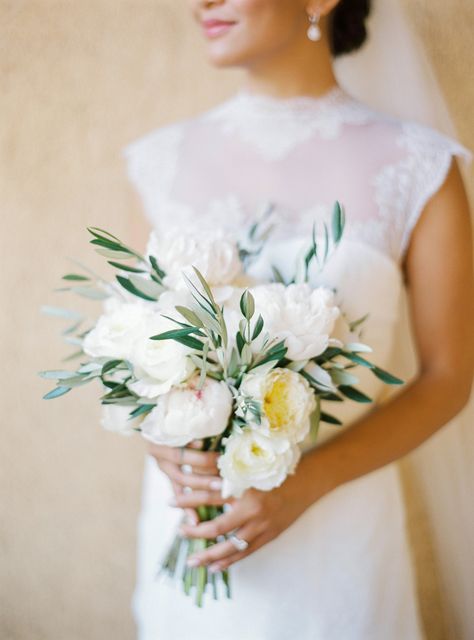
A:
[404, 133]
[165, 135]
[413, 161]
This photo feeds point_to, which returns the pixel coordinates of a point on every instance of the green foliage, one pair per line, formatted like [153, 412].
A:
[57, 392]
[354, 394]
[326, 417]
[386, 377]
[129, 286]
[75, 277]
[320, 253]
[182, 336]
[126, 267]
[105, 240]
[247, 305]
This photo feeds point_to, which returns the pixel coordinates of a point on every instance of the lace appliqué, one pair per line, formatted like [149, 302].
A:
[226, 213]
[403, 188]
[275, 126]
[152, 163]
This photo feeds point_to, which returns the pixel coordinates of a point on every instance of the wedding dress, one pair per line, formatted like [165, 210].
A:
[342, 571]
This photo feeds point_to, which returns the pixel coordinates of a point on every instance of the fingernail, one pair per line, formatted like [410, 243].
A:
[193, 562]
[214, 568]
[191, 520]
[216, 484]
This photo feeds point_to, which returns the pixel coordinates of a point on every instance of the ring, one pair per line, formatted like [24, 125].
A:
[187, 469]
[239, 543]
[187, 490]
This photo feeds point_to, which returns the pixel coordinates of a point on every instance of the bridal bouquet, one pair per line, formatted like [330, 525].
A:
[189, 349]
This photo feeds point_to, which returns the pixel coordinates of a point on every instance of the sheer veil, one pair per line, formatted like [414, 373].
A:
[391, 72]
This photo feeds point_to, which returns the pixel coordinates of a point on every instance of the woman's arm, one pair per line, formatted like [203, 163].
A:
[439, 274]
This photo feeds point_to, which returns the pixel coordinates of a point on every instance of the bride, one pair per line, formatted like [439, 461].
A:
[325, 556]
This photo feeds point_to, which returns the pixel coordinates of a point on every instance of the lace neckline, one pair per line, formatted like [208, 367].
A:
[267, 104]
[274, 126]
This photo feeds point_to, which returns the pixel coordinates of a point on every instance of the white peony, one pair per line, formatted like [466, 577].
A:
[252, 459]
[287, 402]
[302, 316]
[116, 331]
[158, 365]
[116, 417]
[186, 413]
[215, 254]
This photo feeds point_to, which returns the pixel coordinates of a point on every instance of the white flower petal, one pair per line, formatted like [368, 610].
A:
[186, 413]
[252, 459]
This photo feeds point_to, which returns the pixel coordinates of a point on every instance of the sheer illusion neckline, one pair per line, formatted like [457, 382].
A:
[327, 111]
[274, 126]
[334, 96]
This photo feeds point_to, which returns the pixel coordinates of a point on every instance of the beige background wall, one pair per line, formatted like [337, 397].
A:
[79, 80]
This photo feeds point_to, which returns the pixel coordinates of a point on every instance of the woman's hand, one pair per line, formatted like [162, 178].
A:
[189, 467]
[259, 516]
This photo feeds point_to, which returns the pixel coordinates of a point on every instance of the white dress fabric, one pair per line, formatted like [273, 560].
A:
[342, 571]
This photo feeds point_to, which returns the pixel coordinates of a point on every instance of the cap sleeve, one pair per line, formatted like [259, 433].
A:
[430, 158]
[151, 164]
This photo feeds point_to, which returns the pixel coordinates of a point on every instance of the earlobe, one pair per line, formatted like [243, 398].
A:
[321, 7]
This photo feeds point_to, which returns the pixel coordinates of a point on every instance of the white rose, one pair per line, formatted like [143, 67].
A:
[251, 459]
[116, 417]
[158, 365]
[186, 413]
[214, 253]
[302, 316]
[116, 331]
[287, 402]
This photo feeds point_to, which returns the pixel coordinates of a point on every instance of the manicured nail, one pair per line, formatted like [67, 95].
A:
[216, 484]
[193, 562]
[214, 568]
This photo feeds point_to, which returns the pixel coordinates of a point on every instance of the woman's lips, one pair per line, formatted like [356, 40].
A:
[214, 28]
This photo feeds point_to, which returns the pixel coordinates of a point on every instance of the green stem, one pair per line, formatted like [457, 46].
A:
[226, 579]
[214, 586]
[200, 572]
[201, 580]
[188, 573]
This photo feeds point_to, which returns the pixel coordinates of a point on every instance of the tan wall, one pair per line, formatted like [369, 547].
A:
[78, 81]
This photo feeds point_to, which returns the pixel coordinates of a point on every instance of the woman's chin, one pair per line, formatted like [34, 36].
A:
[223, 56]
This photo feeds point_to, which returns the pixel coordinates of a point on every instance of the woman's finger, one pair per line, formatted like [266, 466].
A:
[195, 481]
[222, 550]
[199, 460]
[192, 517]
[225, 563]
[219, 526]
[196, 444]
[198, 498]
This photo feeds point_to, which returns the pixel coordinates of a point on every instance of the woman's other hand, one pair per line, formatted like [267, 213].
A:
[193, 474]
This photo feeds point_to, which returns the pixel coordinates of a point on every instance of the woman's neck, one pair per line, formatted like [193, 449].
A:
[305, 70]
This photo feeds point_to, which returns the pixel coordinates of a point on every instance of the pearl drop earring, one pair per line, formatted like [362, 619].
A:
[314, 32]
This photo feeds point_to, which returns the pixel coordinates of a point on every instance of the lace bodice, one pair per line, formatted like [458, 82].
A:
[299, 153]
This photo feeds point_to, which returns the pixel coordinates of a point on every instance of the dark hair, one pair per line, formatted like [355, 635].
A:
[348, 30]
